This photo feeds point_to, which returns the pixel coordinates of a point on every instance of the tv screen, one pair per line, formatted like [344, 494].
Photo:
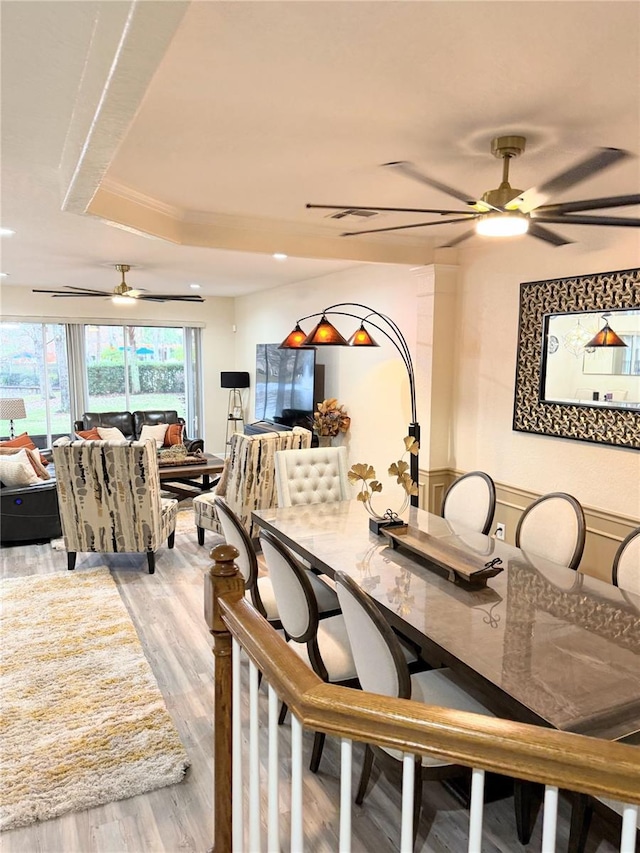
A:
[284, 383]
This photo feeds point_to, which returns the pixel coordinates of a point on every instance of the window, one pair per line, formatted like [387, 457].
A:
[62, 370]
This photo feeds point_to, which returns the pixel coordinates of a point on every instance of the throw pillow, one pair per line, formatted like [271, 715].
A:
[221, 488]
[111, 434]
[23, 440]
[90, 434]
[16, 469]
[156, 433]
[173, 435]
[62, 441]
[34, 459]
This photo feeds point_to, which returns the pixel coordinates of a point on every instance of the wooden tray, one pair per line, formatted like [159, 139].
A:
[184, 460]
[467, 570]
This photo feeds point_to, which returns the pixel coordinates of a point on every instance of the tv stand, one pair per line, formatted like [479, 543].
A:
[265, 426]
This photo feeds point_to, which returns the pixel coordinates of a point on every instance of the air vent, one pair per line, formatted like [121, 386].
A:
[354, 212]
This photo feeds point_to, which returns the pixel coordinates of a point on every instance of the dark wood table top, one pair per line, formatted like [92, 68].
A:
[541, 643]
[210, 465]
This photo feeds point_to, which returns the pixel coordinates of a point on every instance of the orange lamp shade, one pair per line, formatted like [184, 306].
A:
[325, 334]
[362, 338]
[294, 339]
[606, 337]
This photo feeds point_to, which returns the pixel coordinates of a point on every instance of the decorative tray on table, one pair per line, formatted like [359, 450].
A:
[176, 457]
[447, 560]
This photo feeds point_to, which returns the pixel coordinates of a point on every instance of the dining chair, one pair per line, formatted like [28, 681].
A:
[471, 501]
[259, 588]
[109, 498]
[322, 644]
[382, 668]
[625, 572]
[553, 527]
[311, 476]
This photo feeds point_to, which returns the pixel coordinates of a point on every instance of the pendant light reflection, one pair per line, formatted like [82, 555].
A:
[606, 337]
[577, 339]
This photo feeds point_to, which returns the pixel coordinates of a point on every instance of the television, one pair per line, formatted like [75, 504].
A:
[288, 384]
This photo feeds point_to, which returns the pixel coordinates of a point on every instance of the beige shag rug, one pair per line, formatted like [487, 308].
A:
[82, 719]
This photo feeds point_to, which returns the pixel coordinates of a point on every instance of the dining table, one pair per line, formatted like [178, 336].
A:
[536, 641]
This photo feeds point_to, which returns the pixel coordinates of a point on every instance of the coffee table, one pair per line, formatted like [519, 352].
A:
[175, 478]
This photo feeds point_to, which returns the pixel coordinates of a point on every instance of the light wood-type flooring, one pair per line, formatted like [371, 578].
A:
[167, 609]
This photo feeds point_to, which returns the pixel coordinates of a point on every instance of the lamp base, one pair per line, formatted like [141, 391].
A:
[378, 525]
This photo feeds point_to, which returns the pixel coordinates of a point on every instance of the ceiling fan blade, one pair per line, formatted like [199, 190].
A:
[590, 204]
[170, 298]
[355, 207]
[576, 219]
[459, 239]
[64, 293]
[402, 227]
[548, 236]
[410, 171]
[591, 165]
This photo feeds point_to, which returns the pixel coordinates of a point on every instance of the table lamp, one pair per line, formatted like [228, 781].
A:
[12, 409]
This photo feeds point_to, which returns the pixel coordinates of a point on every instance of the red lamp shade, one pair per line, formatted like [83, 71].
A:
[606, 337]
[294, 339]
[362, 338]
[325, 334]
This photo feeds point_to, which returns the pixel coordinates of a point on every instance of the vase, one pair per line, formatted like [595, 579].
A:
[324, 441]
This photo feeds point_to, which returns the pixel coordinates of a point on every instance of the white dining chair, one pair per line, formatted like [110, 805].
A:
[322, 644]
[259, 588]
[471, 501]
[625, 572]
[553, 527]
[382, 668]
[311, 476]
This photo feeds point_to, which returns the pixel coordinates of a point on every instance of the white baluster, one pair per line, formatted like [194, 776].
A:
[549, 819]
[273, 836]
[408, 781]
[476, 810]
[629, 823]
[237, 828]
[297, 837]
[254, 762]
[346, 753]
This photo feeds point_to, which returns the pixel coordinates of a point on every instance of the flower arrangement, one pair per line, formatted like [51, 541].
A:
[331, 418]
[365, 475]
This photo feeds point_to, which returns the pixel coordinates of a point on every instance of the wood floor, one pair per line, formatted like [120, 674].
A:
[166, 609]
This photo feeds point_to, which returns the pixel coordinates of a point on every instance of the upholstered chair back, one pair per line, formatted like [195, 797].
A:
[313, 476]
[380, 662]
[626, 563]
[250, 471]
[471, 501]
[294, 596]
[553, 527]
[109, 497]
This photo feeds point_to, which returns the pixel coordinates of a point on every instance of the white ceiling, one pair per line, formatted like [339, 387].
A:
[211, 124]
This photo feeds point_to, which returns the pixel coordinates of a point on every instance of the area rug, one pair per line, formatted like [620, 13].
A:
[82, 719]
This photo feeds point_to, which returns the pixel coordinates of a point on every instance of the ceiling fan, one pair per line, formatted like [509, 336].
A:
[507, 211]
[123, 293]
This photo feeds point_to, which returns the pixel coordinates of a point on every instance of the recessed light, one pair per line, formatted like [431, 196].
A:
[6, 232]
[279, 256]
[3, 274]
[195, 286]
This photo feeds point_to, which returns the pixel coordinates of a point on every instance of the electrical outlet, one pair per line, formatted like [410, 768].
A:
[500, 530]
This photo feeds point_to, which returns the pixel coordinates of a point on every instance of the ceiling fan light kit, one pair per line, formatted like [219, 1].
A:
[507, 211]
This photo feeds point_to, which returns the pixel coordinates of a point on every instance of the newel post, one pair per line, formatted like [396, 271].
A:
[222, 580]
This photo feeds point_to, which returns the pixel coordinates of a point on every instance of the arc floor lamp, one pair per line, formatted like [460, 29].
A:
[325, 334]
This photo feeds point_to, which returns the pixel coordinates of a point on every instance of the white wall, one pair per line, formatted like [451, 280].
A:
[488, 307]
[217, 313]
[371, 383]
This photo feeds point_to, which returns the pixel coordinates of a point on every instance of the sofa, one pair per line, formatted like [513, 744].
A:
[131, 423]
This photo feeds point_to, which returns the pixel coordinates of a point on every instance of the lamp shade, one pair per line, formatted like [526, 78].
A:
[362, 338]
[294, 339]
[606, 337]
[234, 379]
[325, 334]
[12, 409]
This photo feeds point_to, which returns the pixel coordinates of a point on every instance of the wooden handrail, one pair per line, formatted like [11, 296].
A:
[534, 753]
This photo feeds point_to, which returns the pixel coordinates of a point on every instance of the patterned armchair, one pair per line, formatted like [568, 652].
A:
[109, 496]
[248, 479]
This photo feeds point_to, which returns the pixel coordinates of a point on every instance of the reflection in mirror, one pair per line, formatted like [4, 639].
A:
[604, 376]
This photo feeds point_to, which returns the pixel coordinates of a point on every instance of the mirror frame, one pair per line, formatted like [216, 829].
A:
[579, 421]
